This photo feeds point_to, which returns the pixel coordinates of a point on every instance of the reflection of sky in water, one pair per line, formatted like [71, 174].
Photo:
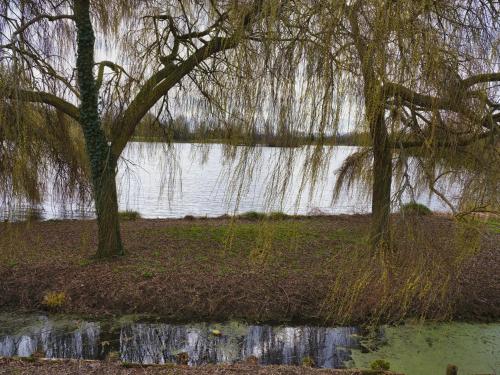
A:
[197, 180]
[79, 342]
[161, 343]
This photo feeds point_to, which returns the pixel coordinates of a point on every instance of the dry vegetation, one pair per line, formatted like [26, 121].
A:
[314, 269]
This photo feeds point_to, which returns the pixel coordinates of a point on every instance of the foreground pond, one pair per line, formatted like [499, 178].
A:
[412, 349]
[161, 343]
[428, 348]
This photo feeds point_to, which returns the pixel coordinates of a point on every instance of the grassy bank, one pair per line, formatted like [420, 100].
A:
[276, 269]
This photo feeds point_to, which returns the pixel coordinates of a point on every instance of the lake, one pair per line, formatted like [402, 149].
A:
[200, 180]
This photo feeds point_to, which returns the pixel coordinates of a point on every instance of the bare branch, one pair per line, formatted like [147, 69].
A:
[49, 17]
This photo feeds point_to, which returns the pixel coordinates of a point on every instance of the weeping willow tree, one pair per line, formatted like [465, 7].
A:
[160, 44]
[419, 75]
[425, 77]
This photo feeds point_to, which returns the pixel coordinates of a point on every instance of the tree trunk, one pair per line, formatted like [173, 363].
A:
[102, 162]
[106, 203]
[382, 179]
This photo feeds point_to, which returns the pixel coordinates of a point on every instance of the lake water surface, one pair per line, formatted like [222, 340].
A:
[198, 180]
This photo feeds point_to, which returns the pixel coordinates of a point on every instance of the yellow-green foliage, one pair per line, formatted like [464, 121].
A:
[418, 275]
[308, 362]
[380, 364]
[278, 216]
[494, 225]
[54, 300]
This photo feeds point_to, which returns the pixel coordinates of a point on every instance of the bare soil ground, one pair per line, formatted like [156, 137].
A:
[306, 269]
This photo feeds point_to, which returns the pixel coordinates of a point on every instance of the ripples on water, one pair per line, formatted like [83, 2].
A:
[190, 179]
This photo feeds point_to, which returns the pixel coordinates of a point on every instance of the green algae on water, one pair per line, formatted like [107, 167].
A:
[428, 348]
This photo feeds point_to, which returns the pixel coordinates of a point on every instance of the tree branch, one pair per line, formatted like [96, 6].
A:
[481, 78]
[159, 85]
[443, 144]
[162, 81]
[46, 98]
[421, 100]
[111, 65]
[49, 17]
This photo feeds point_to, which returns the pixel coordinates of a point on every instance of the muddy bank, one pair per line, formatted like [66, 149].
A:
[292, 270]
[42, 367]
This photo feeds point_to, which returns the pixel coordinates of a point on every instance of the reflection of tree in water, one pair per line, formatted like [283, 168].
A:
[53, 341]
[160, 343]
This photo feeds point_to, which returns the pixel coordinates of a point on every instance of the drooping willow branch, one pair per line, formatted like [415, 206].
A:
[46, 98]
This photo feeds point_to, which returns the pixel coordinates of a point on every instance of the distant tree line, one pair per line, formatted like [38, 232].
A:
[180, 129]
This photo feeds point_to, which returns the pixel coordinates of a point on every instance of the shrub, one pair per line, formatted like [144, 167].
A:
[129, 215]
[252, 215]
[54, 300]
[278, 216]
[380, 364]
[414, 208]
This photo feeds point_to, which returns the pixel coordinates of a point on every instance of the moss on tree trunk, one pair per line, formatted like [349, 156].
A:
[102, 162]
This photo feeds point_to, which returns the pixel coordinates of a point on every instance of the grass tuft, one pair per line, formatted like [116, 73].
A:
[308, 362]
[494, 225]
[54, 300]
[380, 364]
[278, 216]
[129, 215]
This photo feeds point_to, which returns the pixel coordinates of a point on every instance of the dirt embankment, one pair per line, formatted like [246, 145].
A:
[317, 270]
[74, 367]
